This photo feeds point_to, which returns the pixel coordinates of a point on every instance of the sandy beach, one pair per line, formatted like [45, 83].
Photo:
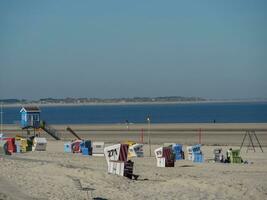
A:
[51, 174]
[153, 81]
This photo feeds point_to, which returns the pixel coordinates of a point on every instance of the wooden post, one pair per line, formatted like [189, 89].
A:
[142, 136]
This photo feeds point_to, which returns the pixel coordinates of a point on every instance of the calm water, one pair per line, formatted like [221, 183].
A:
[164, 113]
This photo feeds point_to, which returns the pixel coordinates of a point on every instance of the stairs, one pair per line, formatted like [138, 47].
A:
[50, 130]
[73, 133]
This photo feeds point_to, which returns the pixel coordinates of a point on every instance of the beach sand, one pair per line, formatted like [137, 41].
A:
[51, 174]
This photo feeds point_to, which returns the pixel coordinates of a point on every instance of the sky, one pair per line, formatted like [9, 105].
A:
[112, 49]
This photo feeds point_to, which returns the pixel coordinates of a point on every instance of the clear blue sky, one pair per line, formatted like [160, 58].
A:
[211, 49]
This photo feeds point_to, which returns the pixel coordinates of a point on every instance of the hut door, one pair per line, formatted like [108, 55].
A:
[31, 116]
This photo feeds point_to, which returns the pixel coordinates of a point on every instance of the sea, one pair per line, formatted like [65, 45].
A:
[245, 112]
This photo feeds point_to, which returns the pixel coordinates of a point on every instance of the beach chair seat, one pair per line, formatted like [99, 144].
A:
[198, 158]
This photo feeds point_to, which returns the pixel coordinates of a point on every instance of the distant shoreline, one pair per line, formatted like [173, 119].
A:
[134, 103]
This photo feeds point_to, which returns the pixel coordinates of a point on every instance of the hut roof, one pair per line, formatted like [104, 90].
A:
[30, 109]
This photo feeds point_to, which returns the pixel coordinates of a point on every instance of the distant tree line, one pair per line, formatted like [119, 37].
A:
[69, 100]
[13, 101]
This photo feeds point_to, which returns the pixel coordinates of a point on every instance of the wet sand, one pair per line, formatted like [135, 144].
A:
[211, 134]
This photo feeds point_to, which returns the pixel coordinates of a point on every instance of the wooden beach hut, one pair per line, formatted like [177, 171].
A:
[30, 117]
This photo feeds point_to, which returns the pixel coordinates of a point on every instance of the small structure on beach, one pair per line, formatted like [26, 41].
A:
[86, 147]
[98, 148]
[251, 134]
[194, 153]
[189, 153]
[165, 157]
[135, 150]
[22, 144]
[78, 146]
[115, 156]
[234, 156]
[178, 151]
[4, 148]
[39, 144]
[30, 117]
[75, 146]
[117, 160]
[67, 147]
[218, 155]
[11, 146]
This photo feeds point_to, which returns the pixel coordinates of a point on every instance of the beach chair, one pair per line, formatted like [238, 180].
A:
[39, 144]
[217, 154]
[24, 145]
[11, 146]
[165, 157]
[86, 147]
[235, 156]
[4, 148]
[197, 155]
[75, 146]
[98, 148]
[136, 150]
[117, 160]
[67, 147]
[189, 153]
[178, 151]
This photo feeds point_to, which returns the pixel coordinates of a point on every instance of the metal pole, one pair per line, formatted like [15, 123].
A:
[149, 141]
[257, 140]
[243, 140]
[251, 141]
[1, 117]
[142, 136]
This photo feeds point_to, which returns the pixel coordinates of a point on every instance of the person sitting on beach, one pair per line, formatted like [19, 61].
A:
[228, 154]
[222, 160]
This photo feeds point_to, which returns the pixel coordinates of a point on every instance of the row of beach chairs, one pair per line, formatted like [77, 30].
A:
[18, 144]
[86, 147]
